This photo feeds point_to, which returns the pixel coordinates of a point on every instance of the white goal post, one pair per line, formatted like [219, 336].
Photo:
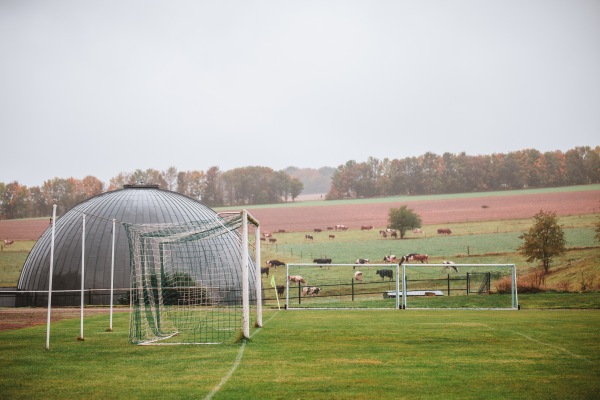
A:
[341, 286]
[401, 286]
[459, 286]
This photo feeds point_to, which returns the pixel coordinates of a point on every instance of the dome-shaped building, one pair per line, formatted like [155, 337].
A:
[134, 204]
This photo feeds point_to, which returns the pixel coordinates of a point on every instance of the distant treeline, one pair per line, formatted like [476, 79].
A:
[426, 174]
[237, 187]
[462, 173]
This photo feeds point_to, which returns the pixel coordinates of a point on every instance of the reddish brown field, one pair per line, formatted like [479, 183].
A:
[355, 215]
[431, 211]
[22, 317]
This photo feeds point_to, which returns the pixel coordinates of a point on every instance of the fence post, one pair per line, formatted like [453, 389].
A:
[468, 284]
[299, 293]
[352, 289]
[448, 284]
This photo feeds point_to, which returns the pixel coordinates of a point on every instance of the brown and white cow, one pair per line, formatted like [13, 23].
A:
[296, 279]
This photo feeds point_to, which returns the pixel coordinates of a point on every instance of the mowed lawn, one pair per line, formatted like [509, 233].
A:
[366, 354]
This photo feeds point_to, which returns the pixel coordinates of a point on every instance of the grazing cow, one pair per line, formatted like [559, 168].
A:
[362, 261]
[331, 236]
[407, 258]
[341, 227]
[417, 231]
[385, 272]
[275, 263]
[308, 237]
[266, 234]
[318, 230]
[366, 227]
[280, 289]
[424, 258]
[358, 276]
[8, 242]
[450, 265]
[390, 258]
[394, 234]
[263, 239]
[272, 240]
[444, 231]
[322, 260]
[330, 228]
[296, 279]
[281, 231]
[264, 271]
[310, 290]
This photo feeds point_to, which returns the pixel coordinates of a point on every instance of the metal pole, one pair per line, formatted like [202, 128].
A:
[448, 284]
[112, 276]
[82, 276]
[259, 321]
[515, 300]
[50, 277]
[397, 286]
[245, 288]
[403, 286]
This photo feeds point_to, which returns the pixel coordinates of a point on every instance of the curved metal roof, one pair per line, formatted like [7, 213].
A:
[134, 204]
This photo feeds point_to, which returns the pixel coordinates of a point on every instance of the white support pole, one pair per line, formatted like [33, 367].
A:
[515, 298]
[403, 286]
[258, 278]
[397, 286]
[112, 276]
[50, 277]
[245, 275]
[82, 276]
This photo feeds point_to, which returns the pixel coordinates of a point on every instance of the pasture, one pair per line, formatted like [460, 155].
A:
[366, 354]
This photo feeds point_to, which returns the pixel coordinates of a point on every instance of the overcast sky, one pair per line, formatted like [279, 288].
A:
[103, 87]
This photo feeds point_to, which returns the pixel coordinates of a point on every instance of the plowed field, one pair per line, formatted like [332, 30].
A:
[436, 211]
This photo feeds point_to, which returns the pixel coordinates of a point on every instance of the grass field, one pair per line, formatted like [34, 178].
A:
[381, 354]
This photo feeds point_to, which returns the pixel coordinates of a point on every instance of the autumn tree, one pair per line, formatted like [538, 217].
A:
[544, 241]
[403, 219]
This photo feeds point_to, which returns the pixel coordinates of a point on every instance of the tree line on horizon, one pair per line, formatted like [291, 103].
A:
[461, 173]
[426, 174]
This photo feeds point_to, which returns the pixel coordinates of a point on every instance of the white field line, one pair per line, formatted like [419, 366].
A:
[553, 346]
[236, 363]
[516, 333]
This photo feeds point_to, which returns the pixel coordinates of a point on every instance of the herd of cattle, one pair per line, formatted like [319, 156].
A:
[392, 233]
[358, 275]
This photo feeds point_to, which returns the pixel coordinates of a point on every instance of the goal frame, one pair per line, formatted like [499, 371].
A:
[352, 268]
[147, 277]
[513, 274]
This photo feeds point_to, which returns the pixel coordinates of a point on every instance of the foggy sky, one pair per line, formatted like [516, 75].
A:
[103, 87]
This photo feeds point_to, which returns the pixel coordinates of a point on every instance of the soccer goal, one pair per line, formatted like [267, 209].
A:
[190, 282]
[342, 286]
[459, 286]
